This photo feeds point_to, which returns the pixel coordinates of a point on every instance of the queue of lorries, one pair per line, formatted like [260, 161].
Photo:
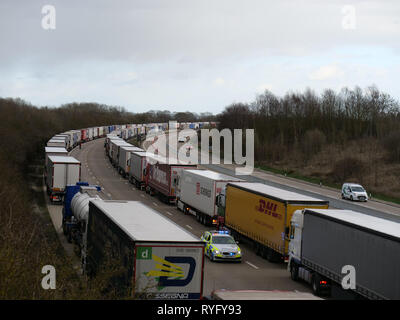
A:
[328, 248]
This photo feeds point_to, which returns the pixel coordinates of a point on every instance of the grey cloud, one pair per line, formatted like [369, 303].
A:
[179, 46]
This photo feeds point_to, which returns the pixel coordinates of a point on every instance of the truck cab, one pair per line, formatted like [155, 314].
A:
[220, 202]
[296, 228]
[320, 284]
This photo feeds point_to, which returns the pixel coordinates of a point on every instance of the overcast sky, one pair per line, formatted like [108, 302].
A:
[191, 55]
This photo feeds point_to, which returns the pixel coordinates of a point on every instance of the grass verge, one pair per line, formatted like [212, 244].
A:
[317, 181]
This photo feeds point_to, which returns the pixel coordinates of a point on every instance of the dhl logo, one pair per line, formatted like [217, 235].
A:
[268, 208]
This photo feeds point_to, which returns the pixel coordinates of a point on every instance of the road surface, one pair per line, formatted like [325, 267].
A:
[253, 273]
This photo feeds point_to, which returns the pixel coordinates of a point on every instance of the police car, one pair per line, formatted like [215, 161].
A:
[221, 246]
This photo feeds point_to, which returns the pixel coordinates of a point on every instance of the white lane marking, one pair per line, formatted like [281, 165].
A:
[155, 204]
[169, 213]
[251, 265]
[109, 195]
[142, 195]
[189, 227]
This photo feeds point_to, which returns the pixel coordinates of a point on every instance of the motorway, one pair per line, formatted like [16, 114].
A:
[372, 207]
[253, 273]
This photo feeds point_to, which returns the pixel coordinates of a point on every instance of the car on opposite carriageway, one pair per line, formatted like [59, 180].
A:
[354, 192]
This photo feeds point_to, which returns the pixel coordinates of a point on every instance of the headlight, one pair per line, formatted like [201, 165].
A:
[239, 252]
[216, 251]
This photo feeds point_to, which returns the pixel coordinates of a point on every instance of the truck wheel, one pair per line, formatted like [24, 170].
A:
[212, 257]
[294, 271]
[315, 284]
[342, 196]
[351, 198]
[64, 228]
[270, 255]
[69, 237]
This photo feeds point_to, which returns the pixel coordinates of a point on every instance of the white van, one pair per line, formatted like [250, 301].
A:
[353, 192]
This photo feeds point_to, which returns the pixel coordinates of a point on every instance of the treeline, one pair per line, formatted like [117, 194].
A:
[307, 121]
[27, 238]
[297, 126]
[25, 128]
[166, 116]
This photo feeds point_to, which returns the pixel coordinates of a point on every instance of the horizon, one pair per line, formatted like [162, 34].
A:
[184, 56]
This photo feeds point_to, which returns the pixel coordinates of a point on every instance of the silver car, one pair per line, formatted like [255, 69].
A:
[354, 192]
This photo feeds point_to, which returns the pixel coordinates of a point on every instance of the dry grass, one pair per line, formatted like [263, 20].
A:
[379, 175]
[27, 243]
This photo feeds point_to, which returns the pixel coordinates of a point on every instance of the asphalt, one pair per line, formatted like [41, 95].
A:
[377, 208]
[253, 273]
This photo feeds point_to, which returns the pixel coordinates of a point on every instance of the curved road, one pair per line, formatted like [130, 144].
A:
[373, 207]
[253, 273]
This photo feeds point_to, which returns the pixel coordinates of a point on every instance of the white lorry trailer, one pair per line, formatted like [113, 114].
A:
[56, 143]
[124, 157]
[347, 250]
[115, 148]
[155, 258]
[65, 137]
[137, 166]
[54, 151]
[61, 171]
[107, 143]
[198, 190]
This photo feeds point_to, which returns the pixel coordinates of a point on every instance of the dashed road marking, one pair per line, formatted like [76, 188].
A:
[155, 204]
[251, 265]
[169, 213]
[189, 227]
[142, 195]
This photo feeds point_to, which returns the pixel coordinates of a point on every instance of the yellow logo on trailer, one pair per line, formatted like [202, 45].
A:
[165, 268]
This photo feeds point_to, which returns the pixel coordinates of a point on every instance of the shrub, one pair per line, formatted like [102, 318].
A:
[347, 168]
[392, 145]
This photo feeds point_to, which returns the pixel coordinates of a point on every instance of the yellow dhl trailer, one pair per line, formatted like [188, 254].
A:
[262, 214]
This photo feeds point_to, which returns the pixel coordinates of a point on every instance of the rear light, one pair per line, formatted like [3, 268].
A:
[323, 282]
